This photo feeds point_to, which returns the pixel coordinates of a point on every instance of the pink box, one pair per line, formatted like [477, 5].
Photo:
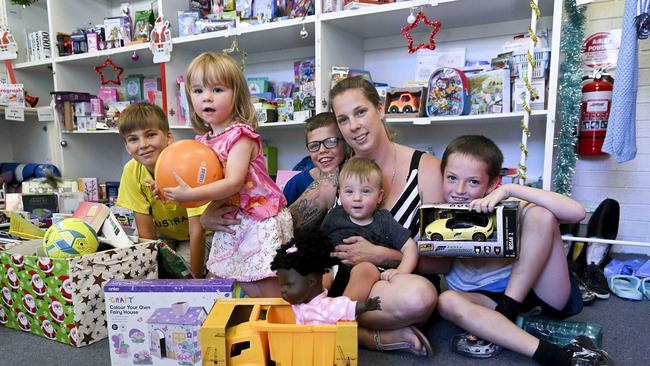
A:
[90, 188]
[96, 107]
[107, 94]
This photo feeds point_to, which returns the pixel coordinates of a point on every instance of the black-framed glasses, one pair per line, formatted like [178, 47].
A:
[329, 143]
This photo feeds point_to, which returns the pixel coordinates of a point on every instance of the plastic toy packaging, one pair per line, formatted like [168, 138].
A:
[560, 332]
[448, 93]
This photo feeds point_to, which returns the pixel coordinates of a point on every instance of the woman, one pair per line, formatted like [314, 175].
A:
[410, 178]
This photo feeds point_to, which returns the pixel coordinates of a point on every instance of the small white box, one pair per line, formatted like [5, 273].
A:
[519, 89]
[158, 321]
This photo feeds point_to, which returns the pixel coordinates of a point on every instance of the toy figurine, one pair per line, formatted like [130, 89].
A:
[300, 265]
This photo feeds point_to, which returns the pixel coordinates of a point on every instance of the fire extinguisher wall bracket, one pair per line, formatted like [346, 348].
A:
[596, 104]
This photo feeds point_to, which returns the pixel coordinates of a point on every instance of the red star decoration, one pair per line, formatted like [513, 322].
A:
[118, 69]
[421, 17]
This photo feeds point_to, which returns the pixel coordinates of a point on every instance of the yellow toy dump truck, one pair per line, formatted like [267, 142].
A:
[264, 332]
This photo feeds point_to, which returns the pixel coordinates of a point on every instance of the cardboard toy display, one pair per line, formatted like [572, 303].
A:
[451, 230]
[158, 321]
[62, 298]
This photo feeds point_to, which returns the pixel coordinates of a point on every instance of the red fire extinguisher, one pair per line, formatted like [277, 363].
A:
[596, 104]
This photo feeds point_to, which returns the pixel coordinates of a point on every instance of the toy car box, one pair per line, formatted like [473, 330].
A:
[452, 230]
[62, 298]
[406, 102]
[158, 321]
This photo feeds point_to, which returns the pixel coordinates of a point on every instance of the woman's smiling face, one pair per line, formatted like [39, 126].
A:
[359, 121]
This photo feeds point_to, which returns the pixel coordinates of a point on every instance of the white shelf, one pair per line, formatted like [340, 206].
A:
[121, 56]
[284, 34]
[512, 117]
[269, 125]
[95, 132]
[388, 20]
[29, 111]
[41, 66]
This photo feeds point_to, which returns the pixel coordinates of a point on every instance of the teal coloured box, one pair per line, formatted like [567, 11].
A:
[134, 87]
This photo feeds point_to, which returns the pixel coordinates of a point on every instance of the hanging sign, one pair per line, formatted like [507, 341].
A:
[160, 41]
[14, 113]
[601, 50]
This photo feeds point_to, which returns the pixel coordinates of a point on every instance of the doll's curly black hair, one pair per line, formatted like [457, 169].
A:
[308, 252]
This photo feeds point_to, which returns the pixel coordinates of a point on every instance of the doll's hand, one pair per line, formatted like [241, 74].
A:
[154, 189]
[180, 193]
[373, 303]
[487, 203]
[388, 274]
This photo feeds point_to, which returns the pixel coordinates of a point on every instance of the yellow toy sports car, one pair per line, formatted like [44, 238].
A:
[466, 226]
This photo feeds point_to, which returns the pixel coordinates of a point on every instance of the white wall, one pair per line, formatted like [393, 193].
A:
[628, 183]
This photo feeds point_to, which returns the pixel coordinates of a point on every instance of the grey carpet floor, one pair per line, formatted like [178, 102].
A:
[626, 337]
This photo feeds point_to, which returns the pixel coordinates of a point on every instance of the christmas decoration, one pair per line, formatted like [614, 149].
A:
[529, 94]
[8, 47]
[118, 72]
[569, 96]
[161, 41]
[234, 47]
[24, 3]
[135, 56]
[421, 17]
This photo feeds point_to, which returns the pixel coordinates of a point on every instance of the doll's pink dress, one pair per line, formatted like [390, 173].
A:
[265, 222]
[325, 310]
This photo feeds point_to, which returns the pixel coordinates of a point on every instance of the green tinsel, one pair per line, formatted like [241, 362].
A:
[23, 2]
[569, 95]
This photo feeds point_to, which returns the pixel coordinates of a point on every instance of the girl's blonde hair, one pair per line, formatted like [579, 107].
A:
[211, 68]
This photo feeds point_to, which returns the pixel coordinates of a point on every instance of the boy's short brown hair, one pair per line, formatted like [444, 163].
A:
[478, 147]
[142, 116]
[362, 169]
[323, 119]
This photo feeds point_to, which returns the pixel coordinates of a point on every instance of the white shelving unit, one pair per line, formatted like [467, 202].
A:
[367, 38]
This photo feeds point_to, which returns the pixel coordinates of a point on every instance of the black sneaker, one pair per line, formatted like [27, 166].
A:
[588, 296]
[594, 278]
[584, 353]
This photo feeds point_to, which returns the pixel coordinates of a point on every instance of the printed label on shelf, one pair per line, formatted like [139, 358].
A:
[13, 113]
[45, 114]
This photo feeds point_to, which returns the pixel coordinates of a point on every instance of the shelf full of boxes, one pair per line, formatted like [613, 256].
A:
[367, 38]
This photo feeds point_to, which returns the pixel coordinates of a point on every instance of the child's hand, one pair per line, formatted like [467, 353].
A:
[154, 189]
[180, 193]
[373, 303]
[487, 203]
[388, 274]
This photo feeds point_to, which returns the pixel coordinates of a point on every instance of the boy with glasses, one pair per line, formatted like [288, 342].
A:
[326, 149]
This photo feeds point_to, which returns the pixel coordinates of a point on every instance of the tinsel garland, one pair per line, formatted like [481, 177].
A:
[569, 96]
[23, 2]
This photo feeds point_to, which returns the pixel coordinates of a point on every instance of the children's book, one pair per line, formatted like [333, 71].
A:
[93, 213]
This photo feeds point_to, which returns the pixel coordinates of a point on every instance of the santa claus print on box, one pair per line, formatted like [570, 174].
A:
[62, 299]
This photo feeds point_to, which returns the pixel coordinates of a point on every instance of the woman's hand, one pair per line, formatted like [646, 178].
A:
[212, 218]
[356, 249]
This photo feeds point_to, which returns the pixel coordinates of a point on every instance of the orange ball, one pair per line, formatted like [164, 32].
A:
[194, 162]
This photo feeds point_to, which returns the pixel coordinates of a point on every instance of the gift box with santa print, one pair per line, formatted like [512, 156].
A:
[62, 298]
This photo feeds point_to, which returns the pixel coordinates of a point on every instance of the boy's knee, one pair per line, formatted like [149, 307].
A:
[539, 218]
[419, 304]
[448, 304]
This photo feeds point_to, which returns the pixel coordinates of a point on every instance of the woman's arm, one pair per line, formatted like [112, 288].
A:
[310, 208]
[212, 218]
[430, 179]
[239, 158]
[356, 249]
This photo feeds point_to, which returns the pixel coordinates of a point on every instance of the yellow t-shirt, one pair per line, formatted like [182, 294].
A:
[134, 194]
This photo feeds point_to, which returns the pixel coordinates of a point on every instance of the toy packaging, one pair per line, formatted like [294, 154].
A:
[158, 321]
[62, 298]
[490, 91]
[405, 102]
[448, 93]
[519, 91]
[12, 94]
[451, 230]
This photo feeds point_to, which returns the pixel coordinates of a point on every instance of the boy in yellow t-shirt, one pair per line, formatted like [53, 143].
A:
[146, 133]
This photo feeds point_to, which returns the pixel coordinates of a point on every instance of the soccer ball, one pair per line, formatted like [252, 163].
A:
[68, 238]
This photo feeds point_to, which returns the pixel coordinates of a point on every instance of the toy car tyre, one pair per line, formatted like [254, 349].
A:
[407, 109]
[393, 109]
[478, 237]
[436, 237]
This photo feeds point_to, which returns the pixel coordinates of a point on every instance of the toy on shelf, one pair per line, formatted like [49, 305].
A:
[448, 93]
[490, 91]
[405, 102]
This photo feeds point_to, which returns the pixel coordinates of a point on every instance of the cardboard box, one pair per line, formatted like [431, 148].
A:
[519, 90]
[62, 298]
[90, 188]
[490, 91]
[159, 320]
[406, 102]
[451, 230]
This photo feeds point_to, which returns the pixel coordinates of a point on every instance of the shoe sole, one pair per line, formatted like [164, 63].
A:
[602, 296]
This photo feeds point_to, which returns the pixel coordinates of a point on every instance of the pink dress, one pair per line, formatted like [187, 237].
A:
[265, 222]
[325, 310]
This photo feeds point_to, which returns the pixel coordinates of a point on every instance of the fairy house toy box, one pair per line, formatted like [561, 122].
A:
[157, 322]
[452, 230]
[62, 298]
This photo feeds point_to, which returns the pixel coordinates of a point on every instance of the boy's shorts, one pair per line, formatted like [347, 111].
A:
[533, 304]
